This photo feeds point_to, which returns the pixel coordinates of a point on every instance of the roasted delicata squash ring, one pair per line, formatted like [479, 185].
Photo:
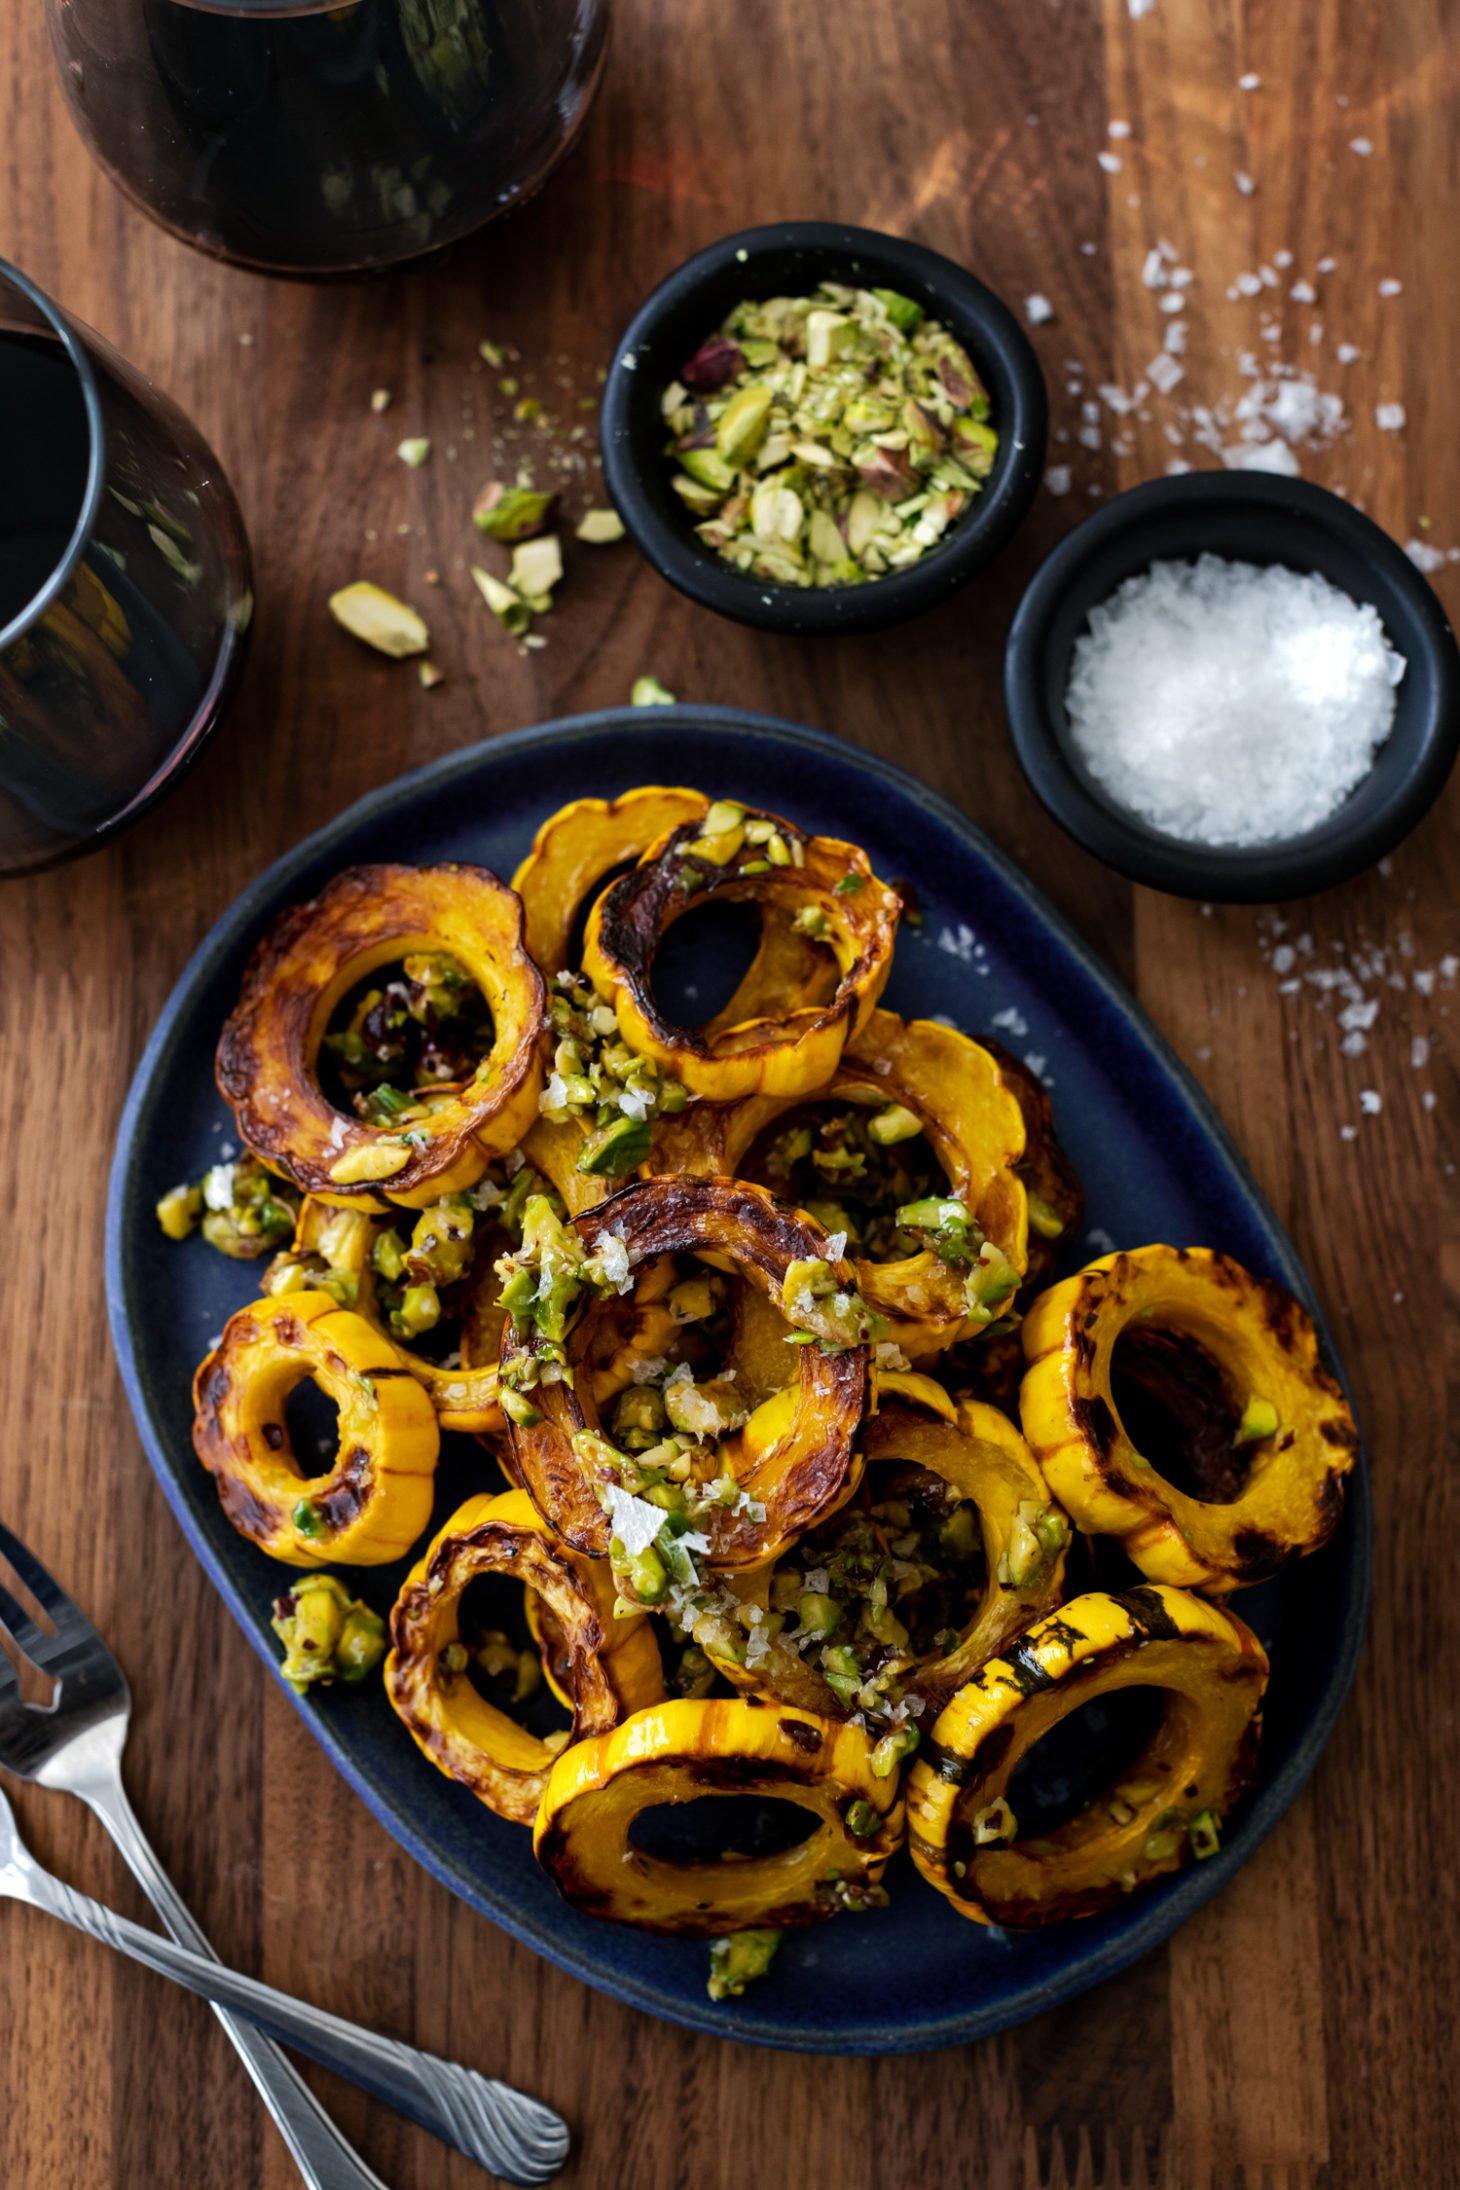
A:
[1293, 1418]
[968, 1114]
[612, 1666]
[465, 1397]
[373, 1503]
[311, 958]
[794, 1457]
[1025, 1538]
[830, 892]
[1167, 1807]
[677, 1752]
[579, 847]
[1055, 1198]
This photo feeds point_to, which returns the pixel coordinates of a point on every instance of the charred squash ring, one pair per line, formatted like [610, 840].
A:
[613, 1665]
[1055, 1197]
[679, 1751]
[795, 1457]
[578, 847]
[310, 959]
[1294, 1418]
[374, 1502]
[1164, 1812]
[974, 1448]
[968, 1113]
[785, 1053]
[465, 1398]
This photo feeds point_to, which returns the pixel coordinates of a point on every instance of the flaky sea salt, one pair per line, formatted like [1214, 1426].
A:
[1224, 703]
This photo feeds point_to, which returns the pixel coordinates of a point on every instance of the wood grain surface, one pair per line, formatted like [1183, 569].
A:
[1301, 2031]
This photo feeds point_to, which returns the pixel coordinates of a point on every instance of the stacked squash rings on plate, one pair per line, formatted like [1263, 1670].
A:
[757, 1321]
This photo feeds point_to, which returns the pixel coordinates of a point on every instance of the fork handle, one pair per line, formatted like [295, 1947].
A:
[319, 2149]
[503, 2130]
[514, 2136]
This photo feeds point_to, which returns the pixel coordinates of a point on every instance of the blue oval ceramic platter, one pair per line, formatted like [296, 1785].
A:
[1157, 1164]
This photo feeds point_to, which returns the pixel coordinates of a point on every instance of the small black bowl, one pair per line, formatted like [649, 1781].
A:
[789, 260]
[1254, 518]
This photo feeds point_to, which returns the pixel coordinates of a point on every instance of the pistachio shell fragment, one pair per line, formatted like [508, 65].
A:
[377, 617]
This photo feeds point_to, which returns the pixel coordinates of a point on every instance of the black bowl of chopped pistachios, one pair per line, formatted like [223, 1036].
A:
[820, 429]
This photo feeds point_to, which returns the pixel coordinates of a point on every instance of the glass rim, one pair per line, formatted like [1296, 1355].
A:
[61, 576]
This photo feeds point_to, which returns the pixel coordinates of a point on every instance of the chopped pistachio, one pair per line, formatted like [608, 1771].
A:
[377, 617]
[430, 675]
[826, 440]
[492, 352]
[414, 451]
[1259, 1420]
[508, 607]
[739, 1959]
[537, 566]
[1044, 1218]
[327, 1634]
[380, 400]
[527, 410]
[896, 1123]
[649, 692]
[180, 1211]
[599, 527]
[511, 513]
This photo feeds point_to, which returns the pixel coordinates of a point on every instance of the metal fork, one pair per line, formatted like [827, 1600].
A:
[75, 1743]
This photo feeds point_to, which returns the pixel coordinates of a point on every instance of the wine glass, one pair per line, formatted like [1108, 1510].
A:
[319, 137]
[125, 586]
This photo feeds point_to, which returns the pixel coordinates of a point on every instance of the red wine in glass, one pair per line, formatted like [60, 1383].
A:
[319, 137]
[125, 590]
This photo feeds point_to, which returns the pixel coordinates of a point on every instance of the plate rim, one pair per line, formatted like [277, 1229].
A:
[1162, 1913]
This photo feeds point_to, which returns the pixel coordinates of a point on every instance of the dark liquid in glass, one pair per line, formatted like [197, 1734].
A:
[342, 138]
[97, 689]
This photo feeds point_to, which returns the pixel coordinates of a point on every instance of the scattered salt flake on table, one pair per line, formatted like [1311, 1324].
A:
[1013, 1021]
[1362, 145]
[1348, 1132]
[1249, 284]
[1057, 478]
[1427, 558]
[1230, 704]
[1359, 1014]
[1326, 266]
[1109, 161]
[1419, 1052]
[1249, 82]
[959, 943]
[1175, 338]
[1389, 417]
[1038, 309]
[1118, 129]
[1284, 958]
[1353, 1045]
[1273, 456]
[1389, 287]
[1429, 1098]
[1153, 273]
[1346, 353]
[1173, 301]
[1303, 292]
[1164, 372]
[1449, 966]
[1244, 183]
[1371, 1102]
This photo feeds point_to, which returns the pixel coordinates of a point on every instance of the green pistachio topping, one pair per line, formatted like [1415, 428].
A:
[327, 1634]
[739, 1959]
[827, 440]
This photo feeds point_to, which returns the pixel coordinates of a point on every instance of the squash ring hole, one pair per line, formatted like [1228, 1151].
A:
[1176, 1407]
[721, 1826]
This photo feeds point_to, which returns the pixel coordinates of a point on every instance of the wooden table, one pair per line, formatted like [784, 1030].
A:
[1300, 2031]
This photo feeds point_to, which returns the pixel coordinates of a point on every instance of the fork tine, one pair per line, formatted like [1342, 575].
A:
[71, 1622]
[21, 1628]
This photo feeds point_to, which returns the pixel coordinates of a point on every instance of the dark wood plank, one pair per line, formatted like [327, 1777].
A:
[1296, 2033]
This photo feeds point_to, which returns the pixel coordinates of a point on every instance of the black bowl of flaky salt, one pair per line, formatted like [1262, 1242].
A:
[1233, 687]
